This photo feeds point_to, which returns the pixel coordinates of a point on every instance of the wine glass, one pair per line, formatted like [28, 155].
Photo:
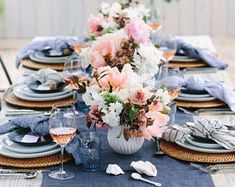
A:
[62, 128]
[74, 66]
[168, 46]
[172, 78]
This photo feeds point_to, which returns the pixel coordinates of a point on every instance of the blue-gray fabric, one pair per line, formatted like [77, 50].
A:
[171, 172]
[195, 52]
[56, 43]
[217, 89]
[39, 125]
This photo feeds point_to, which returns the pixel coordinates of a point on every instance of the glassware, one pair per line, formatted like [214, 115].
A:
[90, 150]
[172, 78]
[62, 128]
[168, 46]
[73, 66]
[173, 108]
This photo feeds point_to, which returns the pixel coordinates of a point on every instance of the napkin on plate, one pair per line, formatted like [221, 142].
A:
[217, 89]
[47, 77]
[211, 129]
[55, 43]
[195, 52]
[39, 126]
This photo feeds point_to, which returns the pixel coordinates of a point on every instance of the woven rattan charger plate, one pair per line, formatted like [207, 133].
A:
[181, 153]
[206, 104]
[33, 162]
[10, 98]
[197, 64]
[37, 66]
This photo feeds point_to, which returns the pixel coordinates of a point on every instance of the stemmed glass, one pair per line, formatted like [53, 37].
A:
[168, 46]
[62, 128]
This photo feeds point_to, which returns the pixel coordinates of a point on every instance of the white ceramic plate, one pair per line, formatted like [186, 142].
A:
[187, 145]
[30, 93]
[194, 95]
[18, 93]
[46, 60]
[196, 99]
[195, 142]
[8, 153]
[183, 59]
[19, 148]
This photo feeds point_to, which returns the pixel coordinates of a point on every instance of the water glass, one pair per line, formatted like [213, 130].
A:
[173, 108]
[89, 147]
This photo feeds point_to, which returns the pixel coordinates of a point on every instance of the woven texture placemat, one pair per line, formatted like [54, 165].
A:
[10, 98]
[181, 153]
[206, 104]
[36, 65]
[196, 64]
[33, 162]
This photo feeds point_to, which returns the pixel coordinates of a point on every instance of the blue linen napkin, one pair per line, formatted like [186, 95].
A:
[195, 52]
[39, 125]
[56, 43]
[217, 89]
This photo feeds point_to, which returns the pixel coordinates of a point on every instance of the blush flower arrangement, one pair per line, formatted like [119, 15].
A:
[112, 17]
[130, 45]
[120, 98]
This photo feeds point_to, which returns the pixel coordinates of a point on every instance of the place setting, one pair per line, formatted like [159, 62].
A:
[204, 140]
[50, 53]
[41, 91]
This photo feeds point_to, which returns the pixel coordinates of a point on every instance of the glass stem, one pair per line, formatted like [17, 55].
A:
[62, 159]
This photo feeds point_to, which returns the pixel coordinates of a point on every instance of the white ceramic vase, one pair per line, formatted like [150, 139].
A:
[120, 145]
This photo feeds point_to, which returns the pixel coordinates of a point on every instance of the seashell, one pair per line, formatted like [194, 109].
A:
[114, 169]
[145, 167]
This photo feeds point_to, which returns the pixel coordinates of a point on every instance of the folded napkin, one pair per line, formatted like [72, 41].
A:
[217, 89]
[47, 77]
[211, 129]
[55, 43]
[39, 126]
[195, 52]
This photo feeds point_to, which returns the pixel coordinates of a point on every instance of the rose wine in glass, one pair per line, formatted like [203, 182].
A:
[62, 128]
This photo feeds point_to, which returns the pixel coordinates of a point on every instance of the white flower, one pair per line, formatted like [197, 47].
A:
[104, 8]
[147, 58]
[164, 96]
[115, 9]
[92, 95]
[112, 114]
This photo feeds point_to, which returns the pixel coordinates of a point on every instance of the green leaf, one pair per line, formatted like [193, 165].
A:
[132, 113]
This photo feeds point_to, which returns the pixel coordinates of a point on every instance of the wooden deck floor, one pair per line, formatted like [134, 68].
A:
[9, 48]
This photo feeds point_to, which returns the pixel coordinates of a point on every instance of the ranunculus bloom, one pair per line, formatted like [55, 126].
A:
[140, 97]
[105, 47]
[95, 24]
[138, 30]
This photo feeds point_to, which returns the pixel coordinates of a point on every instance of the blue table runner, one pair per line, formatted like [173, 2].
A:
[171, 172]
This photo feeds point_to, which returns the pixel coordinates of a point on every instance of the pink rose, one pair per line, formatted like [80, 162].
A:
[95, 24]
[138, 30]
[156, 107]
[140, 97]
[103, 48]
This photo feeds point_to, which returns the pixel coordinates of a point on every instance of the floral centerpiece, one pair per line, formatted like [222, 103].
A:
[121, 101]
[130, 45]
[112, 17]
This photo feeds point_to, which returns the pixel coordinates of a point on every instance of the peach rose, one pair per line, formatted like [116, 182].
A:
[140, 97]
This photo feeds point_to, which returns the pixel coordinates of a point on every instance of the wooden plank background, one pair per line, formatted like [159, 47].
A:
[28, 18]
